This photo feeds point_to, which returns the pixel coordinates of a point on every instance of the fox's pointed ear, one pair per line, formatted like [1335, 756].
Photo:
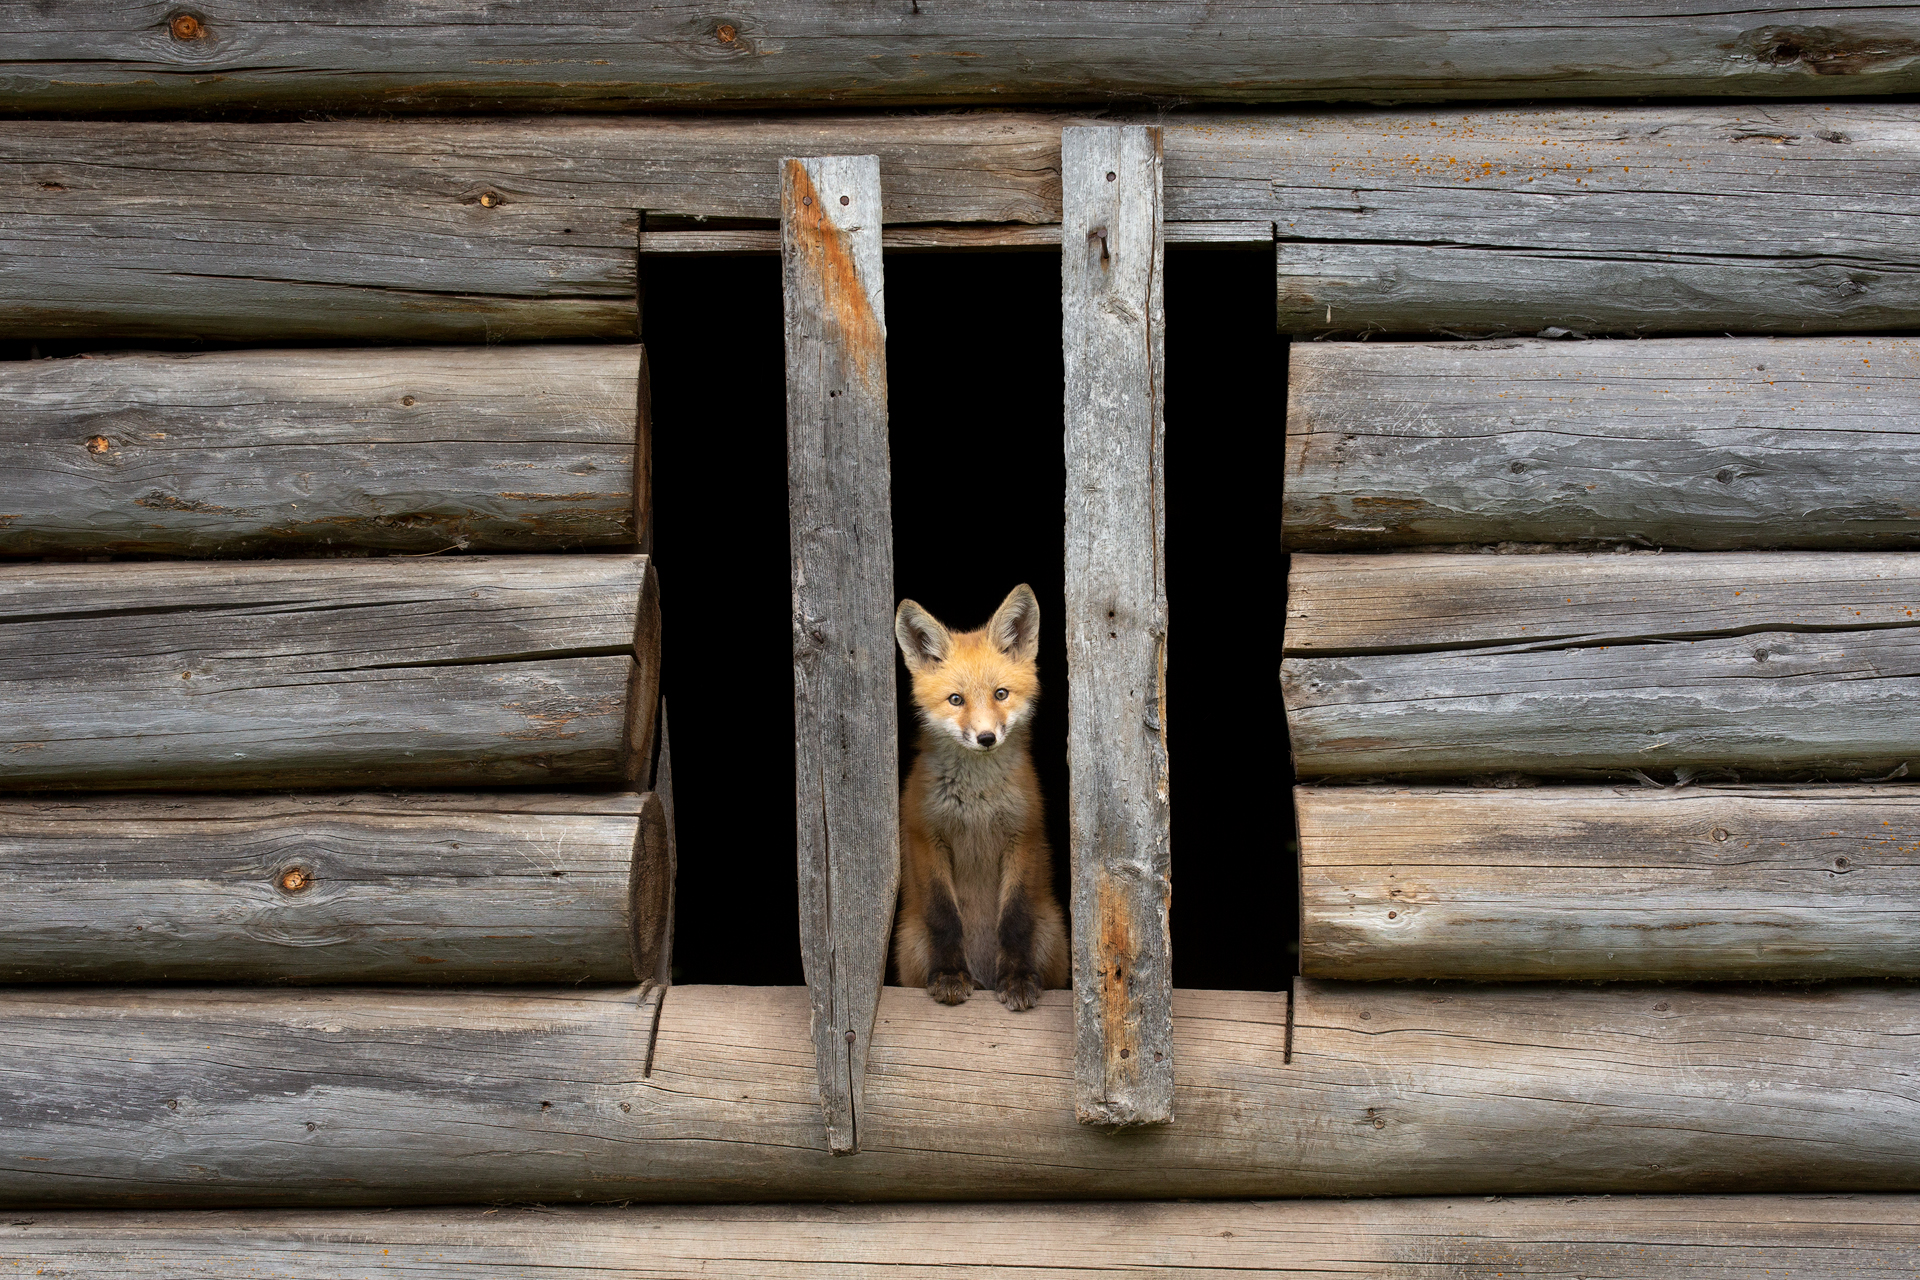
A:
[923, 641]
[1015, 629]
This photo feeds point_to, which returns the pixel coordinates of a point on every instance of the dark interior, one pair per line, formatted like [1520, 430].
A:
[975, 399]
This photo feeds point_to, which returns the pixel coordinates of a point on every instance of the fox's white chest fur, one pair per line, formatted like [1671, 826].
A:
[974, 808]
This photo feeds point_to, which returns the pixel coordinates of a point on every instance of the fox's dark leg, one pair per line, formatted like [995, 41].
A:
[1017, 985]
[947, 979]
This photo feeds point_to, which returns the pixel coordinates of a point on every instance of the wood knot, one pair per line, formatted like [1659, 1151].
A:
[726, 33]
[296, 880]
[98, 444]
[186, 26]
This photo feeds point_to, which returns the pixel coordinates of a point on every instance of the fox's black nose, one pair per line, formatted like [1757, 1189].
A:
[986, 739]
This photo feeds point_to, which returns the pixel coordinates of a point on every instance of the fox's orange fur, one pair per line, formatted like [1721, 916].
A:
[976, 875]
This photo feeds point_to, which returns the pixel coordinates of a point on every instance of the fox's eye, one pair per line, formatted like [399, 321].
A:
[956, 700]
[1000, 695]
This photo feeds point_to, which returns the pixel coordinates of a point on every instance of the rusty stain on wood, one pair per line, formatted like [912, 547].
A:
[829, 258]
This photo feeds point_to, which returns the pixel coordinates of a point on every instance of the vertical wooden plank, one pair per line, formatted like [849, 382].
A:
[841, 522]
[1113, 319]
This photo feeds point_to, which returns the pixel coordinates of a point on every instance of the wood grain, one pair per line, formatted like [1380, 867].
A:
[328, 673]
[1792, 883]
[415, 450]
[1113, 309]
[839, 500]
[293, 55]
[433, 1095]
[1860, 1237]
[1710, 444]
[1798, 665]
[1675, 219]
[474, 887]
[445, 230]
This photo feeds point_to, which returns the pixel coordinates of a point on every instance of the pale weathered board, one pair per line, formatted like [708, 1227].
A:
[1793, 664]
[312, 1096]
[1113, 315]
[392, 56]
[840, 514]
[1610, 882]
[1764, 218]
[1858, 1237]
[456, 230]
[474, 887]
[1711, 444]
[396, 671]
[418, 449]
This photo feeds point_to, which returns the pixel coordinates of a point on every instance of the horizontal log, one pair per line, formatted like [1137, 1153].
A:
[924, 239]
[422, 449]
[449, 230]
[1703, 1237]
[473, 887]
[328, 673]
[1710, 444]
[1603, 220]
[404, 57]
[1609, 882]
[1794, 664]
[313, 1096]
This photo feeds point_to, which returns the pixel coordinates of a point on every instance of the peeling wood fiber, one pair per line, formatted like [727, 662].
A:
[1708, 444]
[1751, 883]
[409, 449]
[1799, 665]
[1871, 1237]
[328, 673]
[291, 55]
[492, 887]
[310, 1096]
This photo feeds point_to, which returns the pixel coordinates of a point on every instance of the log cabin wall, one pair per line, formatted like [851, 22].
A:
[222, 657]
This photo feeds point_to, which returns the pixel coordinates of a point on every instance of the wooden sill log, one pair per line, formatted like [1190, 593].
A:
[1799, 665]
[1610, 882]
[419, 449]
[1859, 1237]
[103, 57]
[364, 887]
[328, 673]
[1712, 444]
[315, 1096]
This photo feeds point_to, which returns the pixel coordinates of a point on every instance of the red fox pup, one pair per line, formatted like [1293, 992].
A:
[976, 875]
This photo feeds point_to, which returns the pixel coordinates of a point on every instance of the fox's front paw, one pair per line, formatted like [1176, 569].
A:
[1018, 990]
[950, 988]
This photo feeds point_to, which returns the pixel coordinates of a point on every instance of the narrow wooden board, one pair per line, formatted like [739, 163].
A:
[327, 673]
[415, 450]
[839, 495]
[313, 1096]
[1870, 1237]
[473, 889]
[1711, 444]
[1799, 665]
[563, 54]
[1634, 882]
[1113, 309]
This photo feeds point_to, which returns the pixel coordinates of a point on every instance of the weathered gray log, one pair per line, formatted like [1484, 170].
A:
[362, 887]
[949, 239]
[1113, 313]
[1872, 1237]
[1629, 220]
[1786, 664]
[391, 56]
[463, 231]
[840, 514]
[1610, 882]
[312, 1096]
[328, 673]
[1713, 444]
[420, 449]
